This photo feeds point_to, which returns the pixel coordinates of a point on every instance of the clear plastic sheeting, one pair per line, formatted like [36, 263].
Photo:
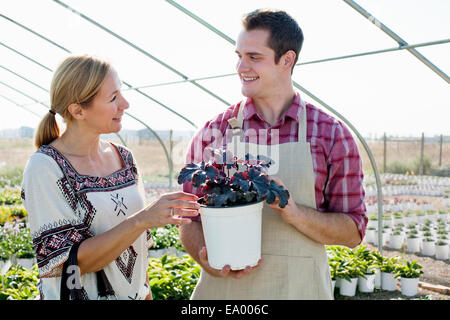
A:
[154, 43]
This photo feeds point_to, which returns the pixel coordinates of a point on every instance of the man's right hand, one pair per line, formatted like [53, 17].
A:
[226, 270]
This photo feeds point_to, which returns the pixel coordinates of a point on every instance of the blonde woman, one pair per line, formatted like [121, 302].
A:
[80, 189]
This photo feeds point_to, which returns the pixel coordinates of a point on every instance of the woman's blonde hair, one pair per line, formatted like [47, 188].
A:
[77, 79]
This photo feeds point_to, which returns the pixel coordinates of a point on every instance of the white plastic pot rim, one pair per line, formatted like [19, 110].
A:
[230, 211]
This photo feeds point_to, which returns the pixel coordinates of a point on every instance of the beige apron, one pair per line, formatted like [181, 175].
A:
[294, 266]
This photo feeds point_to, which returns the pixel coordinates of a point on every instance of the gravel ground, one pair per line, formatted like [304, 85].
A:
[435, 272]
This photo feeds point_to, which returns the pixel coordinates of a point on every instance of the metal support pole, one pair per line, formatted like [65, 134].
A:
[170, 159]
[384, 152]
[422, 142]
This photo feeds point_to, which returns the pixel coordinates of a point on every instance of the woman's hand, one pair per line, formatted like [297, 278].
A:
[166, 209]
[290, 211]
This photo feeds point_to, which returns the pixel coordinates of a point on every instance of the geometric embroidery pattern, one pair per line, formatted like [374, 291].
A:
[125, 262]
[54, 240]
[118, 201]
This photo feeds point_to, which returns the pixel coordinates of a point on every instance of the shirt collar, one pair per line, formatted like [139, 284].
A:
[293, 111]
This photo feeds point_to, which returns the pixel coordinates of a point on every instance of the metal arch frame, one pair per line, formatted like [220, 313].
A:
[423, 44]
[144, 52]
[19, 105]
[68, 51]
[398, 39]
[40, 102]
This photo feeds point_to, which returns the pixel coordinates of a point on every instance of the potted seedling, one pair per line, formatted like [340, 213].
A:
[350, 277]
[388, 269]
[371, 233]
[398, 218]
[234, 191]
[367, 266]
[373, 221]
[420, 216]
[409, 274]
[413, 241]
[396, 240]
[377, 262]
[442, 248]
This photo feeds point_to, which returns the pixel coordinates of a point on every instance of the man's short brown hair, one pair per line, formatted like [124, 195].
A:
[285, 33]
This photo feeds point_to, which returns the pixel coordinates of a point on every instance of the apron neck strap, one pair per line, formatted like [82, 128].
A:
[236, 123]
[302, 122]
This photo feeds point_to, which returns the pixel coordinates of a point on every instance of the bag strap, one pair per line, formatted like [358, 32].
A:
[67, 292]
[103, 285]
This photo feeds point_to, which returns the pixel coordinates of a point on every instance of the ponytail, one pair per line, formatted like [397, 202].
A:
[47, 131]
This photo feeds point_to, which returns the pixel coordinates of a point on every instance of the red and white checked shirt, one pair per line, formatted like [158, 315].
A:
[336, 161]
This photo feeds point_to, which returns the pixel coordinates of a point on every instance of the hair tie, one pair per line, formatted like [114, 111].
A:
[52, 112]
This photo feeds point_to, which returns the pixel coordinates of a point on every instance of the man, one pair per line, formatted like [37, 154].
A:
[317, 161]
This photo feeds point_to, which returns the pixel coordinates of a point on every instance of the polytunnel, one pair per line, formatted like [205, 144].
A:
[371, 64]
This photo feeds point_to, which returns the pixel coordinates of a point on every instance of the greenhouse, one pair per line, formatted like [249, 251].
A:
[379, 67]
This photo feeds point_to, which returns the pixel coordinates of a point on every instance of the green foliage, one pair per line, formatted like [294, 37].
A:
[12, 213]
[11, 176]
[409, 270]
[389, 265]
[19, 284]
[15, 241]
[173, 278]
[10, 196]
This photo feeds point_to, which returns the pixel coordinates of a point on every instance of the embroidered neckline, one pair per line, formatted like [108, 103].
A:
[83, 183]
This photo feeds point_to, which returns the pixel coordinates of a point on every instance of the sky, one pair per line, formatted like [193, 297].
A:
[391, 92]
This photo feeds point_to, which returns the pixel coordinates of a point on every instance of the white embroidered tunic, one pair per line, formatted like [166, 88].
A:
[65, 207]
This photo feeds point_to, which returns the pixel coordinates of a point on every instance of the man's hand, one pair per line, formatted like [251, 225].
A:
[226, 270]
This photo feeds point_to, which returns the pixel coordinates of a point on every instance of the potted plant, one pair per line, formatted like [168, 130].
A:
[349, 277]
[388, 269]
[409, 274]
[396, 240]
[398, 218]
[428, 246]
[371, 233]
[234, 190]
[377, 260]
[373, 221]
[413, 242]
[441, 249]
[420, 216]
[367, 266]
[443, 214]
[431, 214]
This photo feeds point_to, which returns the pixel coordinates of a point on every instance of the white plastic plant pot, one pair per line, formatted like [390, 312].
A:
[348, 288]
[409, 286]
[388, 281]
[338, 282]
[233, 235]
[428, 248]
[395, 241]
[412, 245]
[442, 252]
[333, 285]
[368, 284]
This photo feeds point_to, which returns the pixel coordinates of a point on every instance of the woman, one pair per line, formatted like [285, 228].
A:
[78, 188]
